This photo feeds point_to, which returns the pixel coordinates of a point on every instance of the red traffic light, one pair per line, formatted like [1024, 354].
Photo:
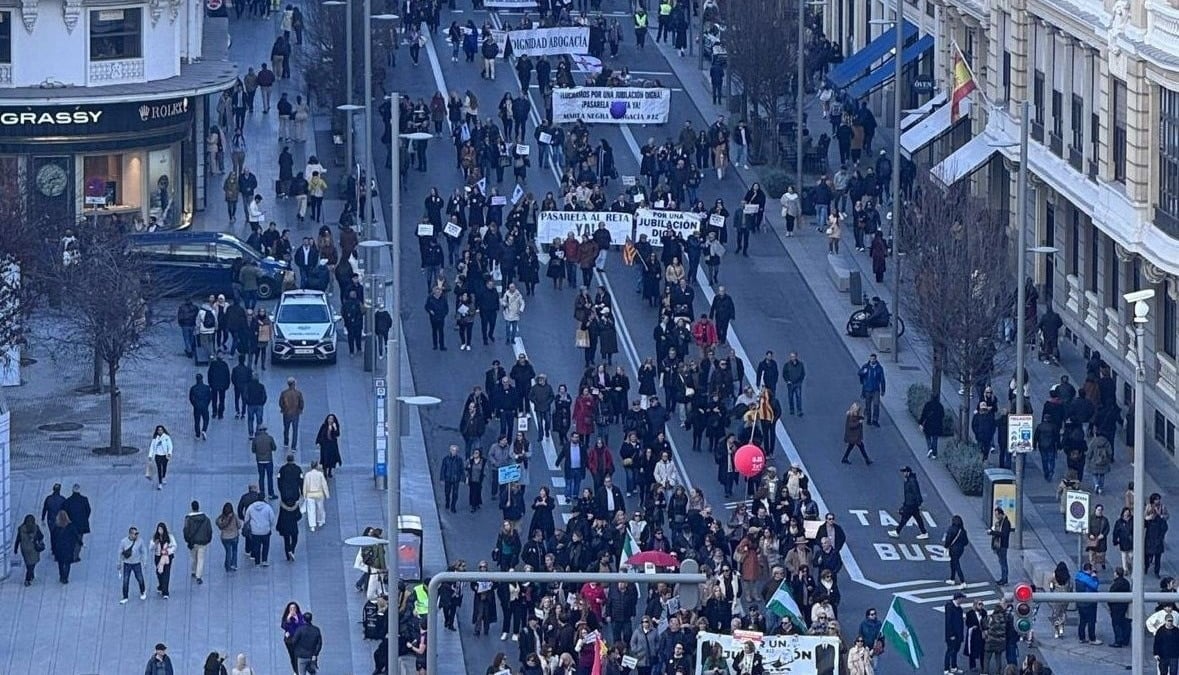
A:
[1023, 592]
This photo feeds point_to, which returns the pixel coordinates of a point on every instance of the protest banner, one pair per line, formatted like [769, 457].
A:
[552, 225]
[550, 41]
[655, 224]
[780, 654]
[510, 4]
[611, 105]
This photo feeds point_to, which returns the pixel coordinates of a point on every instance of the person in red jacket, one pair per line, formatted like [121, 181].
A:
[704, 334]
[584, 409]
[601, 463]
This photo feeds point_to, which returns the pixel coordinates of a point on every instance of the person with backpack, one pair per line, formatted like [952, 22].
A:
[206, 326]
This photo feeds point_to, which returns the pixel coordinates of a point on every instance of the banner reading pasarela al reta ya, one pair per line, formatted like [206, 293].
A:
[552, 225]
[611, 105]
[550, 41]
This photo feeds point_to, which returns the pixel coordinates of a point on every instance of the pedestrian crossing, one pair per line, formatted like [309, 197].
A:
[938, 593]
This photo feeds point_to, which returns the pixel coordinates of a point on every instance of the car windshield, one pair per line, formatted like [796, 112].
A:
[300, 313]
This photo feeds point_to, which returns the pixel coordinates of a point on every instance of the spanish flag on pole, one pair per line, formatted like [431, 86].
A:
[765, 406]
[962, 87]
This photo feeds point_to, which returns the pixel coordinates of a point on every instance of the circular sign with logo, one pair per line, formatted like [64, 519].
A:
[1076, 509]
[214, 5]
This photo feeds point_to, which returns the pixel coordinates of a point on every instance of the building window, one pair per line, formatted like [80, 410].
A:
[1006, 75]
[1113, 272]
[116, 34]
[1091, 267]
[1074, 258]
[5, 37]
[1038, 98]
[121, 174]
[1057, 113]
[1077, 123]
[1167, 213]
[929, 11]
[1118, 105]
[1169, 320]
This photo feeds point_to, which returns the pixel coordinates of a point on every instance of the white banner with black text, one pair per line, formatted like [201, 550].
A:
[611, 105]
[780, 654]
[550, 41]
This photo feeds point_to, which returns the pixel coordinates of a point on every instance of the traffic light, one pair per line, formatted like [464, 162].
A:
[1023, 607]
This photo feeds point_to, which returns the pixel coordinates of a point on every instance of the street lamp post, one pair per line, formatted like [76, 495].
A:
[1138, 560]
[348, 109]
[347, 4]
[895, 186]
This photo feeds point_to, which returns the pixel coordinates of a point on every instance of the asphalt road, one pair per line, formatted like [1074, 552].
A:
[775, 310]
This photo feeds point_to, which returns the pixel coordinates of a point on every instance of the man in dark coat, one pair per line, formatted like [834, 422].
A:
[933, 414]
[955, 631]
[722, 312]
[77, 507]
[52, 504]
[290, 481]
[200, 396]
[910, 505]
[219, 381]
[239, 377]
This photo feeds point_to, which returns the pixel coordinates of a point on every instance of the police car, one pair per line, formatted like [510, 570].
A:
[304, 328]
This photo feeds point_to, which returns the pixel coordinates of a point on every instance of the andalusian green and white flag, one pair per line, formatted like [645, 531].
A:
[629, 548]
[782, 604]
[899, 633]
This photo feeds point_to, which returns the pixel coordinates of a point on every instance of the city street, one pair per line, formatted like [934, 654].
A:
[775, 310]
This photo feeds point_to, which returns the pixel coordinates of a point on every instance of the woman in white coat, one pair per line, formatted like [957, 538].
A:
[160, 452]
[665, 474]
[316, 492]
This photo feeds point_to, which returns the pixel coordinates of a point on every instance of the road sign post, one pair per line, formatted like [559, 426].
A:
[380, 433]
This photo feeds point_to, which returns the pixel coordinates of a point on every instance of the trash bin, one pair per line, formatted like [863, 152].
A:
[855, 288]
[409, 548]
[998, 492]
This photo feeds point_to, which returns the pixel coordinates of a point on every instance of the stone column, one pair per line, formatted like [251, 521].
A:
[1138, 131]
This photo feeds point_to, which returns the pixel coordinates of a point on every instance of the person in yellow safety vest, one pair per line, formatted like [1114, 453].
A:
[641, 28]
[421, 599]
[665, 7]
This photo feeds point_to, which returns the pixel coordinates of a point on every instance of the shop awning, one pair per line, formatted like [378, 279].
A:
[854, 66]
[917, 114]
[882, 74]
[926, 131]
[966, 159]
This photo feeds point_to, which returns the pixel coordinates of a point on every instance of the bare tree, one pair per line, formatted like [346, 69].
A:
[762, 55]
[956, 253]
[27, 246]
[107, 298]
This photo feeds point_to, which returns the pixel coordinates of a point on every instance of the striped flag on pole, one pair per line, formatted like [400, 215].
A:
[962, 87]
[629, 548]
[782, 604]
[629, 253]
[898, 632]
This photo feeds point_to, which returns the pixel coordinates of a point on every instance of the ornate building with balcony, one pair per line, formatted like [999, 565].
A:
[1102, 79]
[102, 103]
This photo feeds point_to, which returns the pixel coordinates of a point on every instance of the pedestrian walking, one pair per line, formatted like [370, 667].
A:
[931, 422]
[258, 523]
[230, 527]
[219, 381]
[160, 452]
[242, 666]
[315, 493]
[290, 404]
[30, 544]
[254, 398]
[910, 505]
[307, 643]
[289, 514]
[1166, 646]
[264, 447]
[512, 304]
[451, 474]
[239, 378]
[197, 534]
[159, 663]
[64, 542]
[163, 550]
[1000, 534]
[437, 308]
[872, 386]
[292, 619]
[853, 433]
[1118, 618]
[133, 554]
[1086, 582]
[200, 397]
[328, 440]
[956, 540]
[77, 507]
[476, 473]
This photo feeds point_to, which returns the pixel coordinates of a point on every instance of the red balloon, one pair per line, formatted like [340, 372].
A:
[749, 460]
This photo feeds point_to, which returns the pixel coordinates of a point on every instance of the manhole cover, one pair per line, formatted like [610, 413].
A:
[107, 450]
[60, 426]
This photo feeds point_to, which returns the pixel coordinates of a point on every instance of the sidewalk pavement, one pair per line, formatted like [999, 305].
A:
[1045, 538]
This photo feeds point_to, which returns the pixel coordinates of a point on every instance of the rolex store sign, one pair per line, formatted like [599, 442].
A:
[90, 120]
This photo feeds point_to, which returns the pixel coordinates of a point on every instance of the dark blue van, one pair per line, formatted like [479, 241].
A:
[202, 262]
